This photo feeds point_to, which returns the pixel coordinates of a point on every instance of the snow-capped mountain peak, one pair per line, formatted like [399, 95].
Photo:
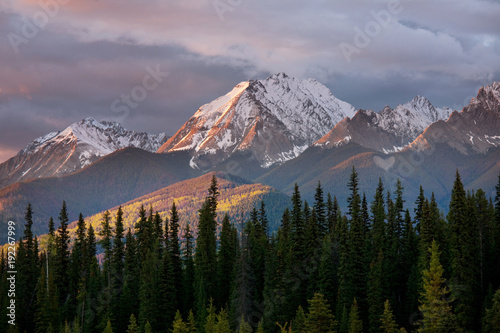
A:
[275, 119]
[389, 130]
[79, 145]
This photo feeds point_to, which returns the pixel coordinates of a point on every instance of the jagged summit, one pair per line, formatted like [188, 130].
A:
[389, 130]
[80, 144]
[275, 119]
[475, 129]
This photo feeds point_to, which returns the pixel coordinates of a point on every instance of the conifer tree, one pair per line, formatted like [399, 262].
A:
[78, 268]
[297, 224]
[418, 210]
[328, 275]
[179, 326]
[210, 325]
[108, 328]
[148, 328]
[168, 301]
[378, 218]
[223, 322]
[191, 324]
[299, 323]
[376, 292]
[205, 257]
[28, 271]
[356, 265]
[435, 307]
[149, 298]
[319, 318]
[491, 321]
[226, 260]
[213, 194]
[355, 322]
[260, 328]
[330, 219]
[243, 296]
[106, 299]
[131, 272]
[388, 321]
[189, 272]
[116, 268]
[320, 209]
[463, 252]
[46, 304]
[263, 219]
[175, 254]
[132, 326]
[62, 260]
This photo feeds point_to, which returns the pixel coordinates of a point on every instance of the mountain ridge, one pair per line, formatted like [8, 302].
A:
[79, 145]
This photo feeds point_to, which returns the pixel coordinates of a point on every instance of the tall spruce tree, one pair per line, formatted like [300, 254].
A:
[320, 209]
[388, 321]
[175, 254]
[28, 271]
[435, 306]
[117, 267]
[62, 260]
[463, 252]
[149, 299]
[226, 259]
[205, 257]
[131, 272]
[377, 284]
[357, 259]
[189, 271]
[355, 322]
[319, 318]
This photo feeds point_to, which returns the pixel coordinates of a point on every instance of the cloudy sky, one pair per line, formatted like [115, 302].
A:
[64, 60]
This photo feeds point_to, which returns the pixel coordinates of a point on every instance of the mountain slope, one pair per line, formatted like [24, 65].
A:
[79, 145]
[237, 198]
[389, 130]
[114, 179]
[275, 119]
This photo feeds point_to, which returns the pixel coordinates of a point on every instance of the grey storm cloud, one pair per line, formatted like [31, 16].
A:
[80, 56]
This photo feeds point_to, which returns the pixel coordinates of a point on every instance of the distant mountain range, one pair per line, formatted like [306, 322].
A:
[79, 145]
[274, 132]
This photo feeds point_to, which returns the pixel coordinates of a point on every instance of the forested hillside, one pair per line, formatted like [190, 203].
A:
[376, 267]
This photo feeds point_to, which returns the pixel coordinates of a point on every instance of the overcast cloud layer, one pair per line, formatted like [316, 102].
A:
[89, 53]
